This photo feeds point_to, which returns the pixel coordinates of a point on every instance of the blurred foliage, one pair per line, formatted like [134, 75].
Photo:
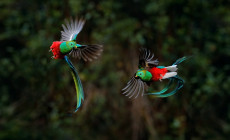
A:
[37, 94]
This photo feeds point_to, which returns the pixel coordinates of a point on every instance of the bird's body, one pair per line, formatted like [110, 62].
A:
[68, 45]
[151, 74]
[156, 73]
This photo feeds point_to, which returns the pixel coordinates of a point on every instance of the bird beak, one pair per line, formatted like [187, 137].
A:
[137, 77]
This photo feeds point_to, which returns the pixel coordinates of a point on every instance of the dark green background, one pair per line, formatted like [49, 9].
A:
[37, 93]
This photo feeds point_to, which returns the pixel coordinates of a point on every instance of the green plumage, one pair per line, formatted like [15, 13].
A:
[67, 46]
[77, 82]
[144, 75]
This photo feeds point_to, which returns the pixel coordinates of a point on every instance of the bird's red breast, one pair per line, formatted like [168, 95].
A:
[55, 47]
[157, 73]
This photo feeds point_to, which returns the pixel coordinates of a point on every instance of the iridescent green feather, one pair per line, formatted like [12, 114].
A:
[178, 61]
[78, 85]
[163, 90]
[67, 46]
[180, 84]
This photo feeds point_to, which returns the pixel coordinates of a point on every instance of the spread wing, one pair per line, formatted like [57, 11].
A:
[87, 52]
[71, 29]
[146, 59]
[134, 87]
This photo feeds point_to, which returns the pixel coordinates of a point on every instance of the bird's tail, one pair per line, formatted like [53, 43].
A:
[180, 81]
[180, 84]
[178, 61]
[77, 82]
[173, 67]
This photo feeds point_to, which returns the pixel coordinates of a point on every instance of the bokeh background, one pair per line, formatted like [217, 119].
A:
[37, 93]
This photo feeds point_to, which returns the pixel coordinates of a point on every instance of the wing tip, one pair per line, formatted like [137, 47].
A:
[71, 28]
[133, 88]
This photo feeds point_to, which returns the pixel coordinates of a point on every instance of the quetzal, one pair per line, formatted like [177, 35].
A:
[69, 46]
[149, 72]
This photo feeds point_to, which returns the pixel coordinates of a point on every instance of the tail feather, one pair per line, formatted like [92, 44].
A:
[172, 76]
[172, 68]
[178, 61]
[169, 74]
[163, 90]
[180, 84]
[78, 84]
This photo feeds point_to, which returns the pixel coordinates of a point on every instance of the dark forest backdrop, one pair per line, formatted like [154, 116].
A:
[37, 93]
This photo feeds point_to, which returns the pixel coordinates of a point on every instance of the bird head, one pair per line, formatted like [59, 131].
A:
[143, 75]
[71, 44]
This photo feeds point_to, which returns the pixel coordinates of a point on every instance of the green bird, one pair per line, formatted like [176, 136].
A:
[149, 72]
[68, 46]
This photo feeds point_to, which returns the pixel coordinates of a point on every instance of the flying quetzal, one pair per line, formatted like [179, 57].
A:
[69, 46]
[149, 72]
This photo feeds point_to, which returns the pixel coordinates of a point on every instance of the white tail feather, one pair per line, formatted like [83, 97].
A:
[169, 74]
[172, 68]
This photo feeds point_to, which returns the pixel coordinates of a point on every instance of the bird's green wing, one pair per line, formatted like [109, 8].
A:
[146, 59]
[87, 52]
[71, 29]
[77, 82]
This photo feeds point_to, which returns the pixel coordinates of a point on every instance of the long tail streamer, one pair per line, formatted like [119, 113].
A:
[77, 82]
[163, 90]
[178, 61]
[180, 83]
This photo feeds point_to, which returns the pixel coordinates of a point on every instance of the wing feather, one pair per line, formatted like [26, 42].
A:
[71, 29]
[87, 52]
[134, 87]
[129, 87]
[128, 84]
[141, 89]
[136, 90]
[146, 59]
